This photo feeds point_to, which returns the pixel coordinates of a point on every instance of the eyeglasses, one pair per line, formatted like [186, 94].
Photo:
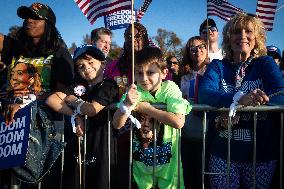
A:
[172, 62]
[212, 29]
[194, 49]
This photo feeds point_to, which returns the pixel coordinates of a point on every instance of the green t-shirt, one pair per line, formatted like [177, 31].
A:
[167, 150]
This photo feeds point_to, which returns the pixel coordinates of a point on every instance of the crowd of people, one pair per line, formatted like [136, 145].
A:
[37, 71]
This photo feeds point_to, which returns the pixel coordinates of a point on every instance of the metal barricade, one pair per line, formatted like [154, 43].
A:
[200, 108]
[205, 109]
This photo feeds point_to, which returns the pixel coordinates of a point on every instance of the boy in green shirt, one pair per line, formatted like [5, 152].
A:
[150, 70]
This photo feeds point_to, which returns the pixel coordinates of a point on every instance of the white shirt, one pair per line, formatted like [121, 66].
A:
[216, 55]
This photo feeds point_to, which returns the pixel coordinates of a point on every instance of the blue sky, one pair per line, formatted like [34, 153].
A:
[180, 16]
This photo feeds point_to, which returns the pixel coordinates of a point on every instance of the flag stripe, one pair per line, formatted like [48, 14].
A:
[92, 9]
[141, 12]
[222, 9]
[265, 11]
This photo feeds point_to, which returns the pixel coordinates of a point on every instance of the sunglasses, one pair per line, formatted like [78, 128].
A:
[174, 62]
[194, 49]
[212, 29]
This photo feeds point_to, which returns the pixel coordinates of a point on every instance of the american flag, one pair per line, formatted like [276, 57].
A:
[140, 13]
[222, 9]
[93, 9]
[152, 43]
[265, 11]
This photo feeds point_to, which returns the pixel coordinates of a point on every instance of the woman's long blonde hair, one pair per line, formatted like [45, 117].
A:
[241, 21]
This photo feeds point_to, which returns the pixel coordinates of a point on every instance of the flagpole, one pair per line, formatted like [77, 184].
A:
[132, 38]
[280, 8]
[207, 28]
[131, 126]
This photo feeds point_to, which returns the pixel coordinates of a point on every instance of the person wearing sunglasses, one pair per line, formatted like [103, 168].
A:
[214, 51]
[195, 58]
[246, 77]
[173, 66]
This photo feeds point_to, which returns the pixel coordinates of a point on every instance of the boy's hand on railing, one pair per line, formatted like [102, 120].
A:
[254, 98]
[132, 96]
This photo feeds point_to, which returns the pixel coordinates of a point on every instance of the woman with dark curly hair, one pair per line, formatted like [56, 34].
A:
[120, 70]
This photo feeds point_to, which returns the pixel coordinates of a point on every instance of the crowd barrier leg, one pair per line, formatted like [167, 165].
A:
[80, 163]
[281, 153]
[59, 125]
[179, 157]
[15, 183]
[85, 152]
[155, 153]
[203, 148]
[229, 152]
[130, 157]
[254, 149]
[108, 144]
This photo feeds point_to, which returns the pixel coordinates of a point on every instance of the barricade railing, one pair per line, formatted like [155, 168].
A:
[196, 108]
[205, 109]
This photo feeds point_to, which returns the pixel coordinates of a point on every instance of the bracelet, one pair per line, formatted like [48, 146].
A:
[123, 108]
[233, 106]
[73, 122]
[78, 108]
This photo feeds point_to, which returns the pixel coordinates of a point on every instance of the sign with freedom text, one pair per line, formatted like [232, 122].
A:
[118, 20]
[14, 139]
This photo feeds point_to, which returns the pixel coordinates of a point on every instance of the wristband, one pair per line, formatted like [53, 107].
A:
[233, 106]
[123, 108]
[78, 108]
[73, 122]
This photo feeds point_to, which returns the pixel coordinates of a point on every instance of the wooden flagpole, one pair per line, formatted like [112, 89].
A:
[132, 38]
[207, 28]
[207, 24]
[131, 125]
[279, 8]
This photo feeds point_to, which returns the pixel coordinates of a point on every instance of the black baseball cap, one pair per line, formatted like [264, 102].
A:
[211, 23]
[90, 50]
[38, 10]
[274, 51]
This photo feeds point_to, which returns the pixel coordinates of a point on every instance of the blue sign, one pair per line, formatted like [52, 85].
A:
[117, 20]
[14, 139]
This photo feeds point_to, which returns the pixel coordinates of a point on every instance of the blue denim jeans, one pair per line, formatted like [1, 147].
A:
[43, 149]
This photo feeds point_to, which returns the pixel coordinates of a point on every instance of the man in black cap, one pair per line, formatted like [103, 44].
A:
[214, 51]
[275, 53]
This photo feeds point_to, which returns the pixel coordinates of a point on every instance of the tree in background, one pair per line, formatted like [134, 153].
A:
[87, 39]
[13, 31]
[115, 51]
[169, 42]
[72, 48]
